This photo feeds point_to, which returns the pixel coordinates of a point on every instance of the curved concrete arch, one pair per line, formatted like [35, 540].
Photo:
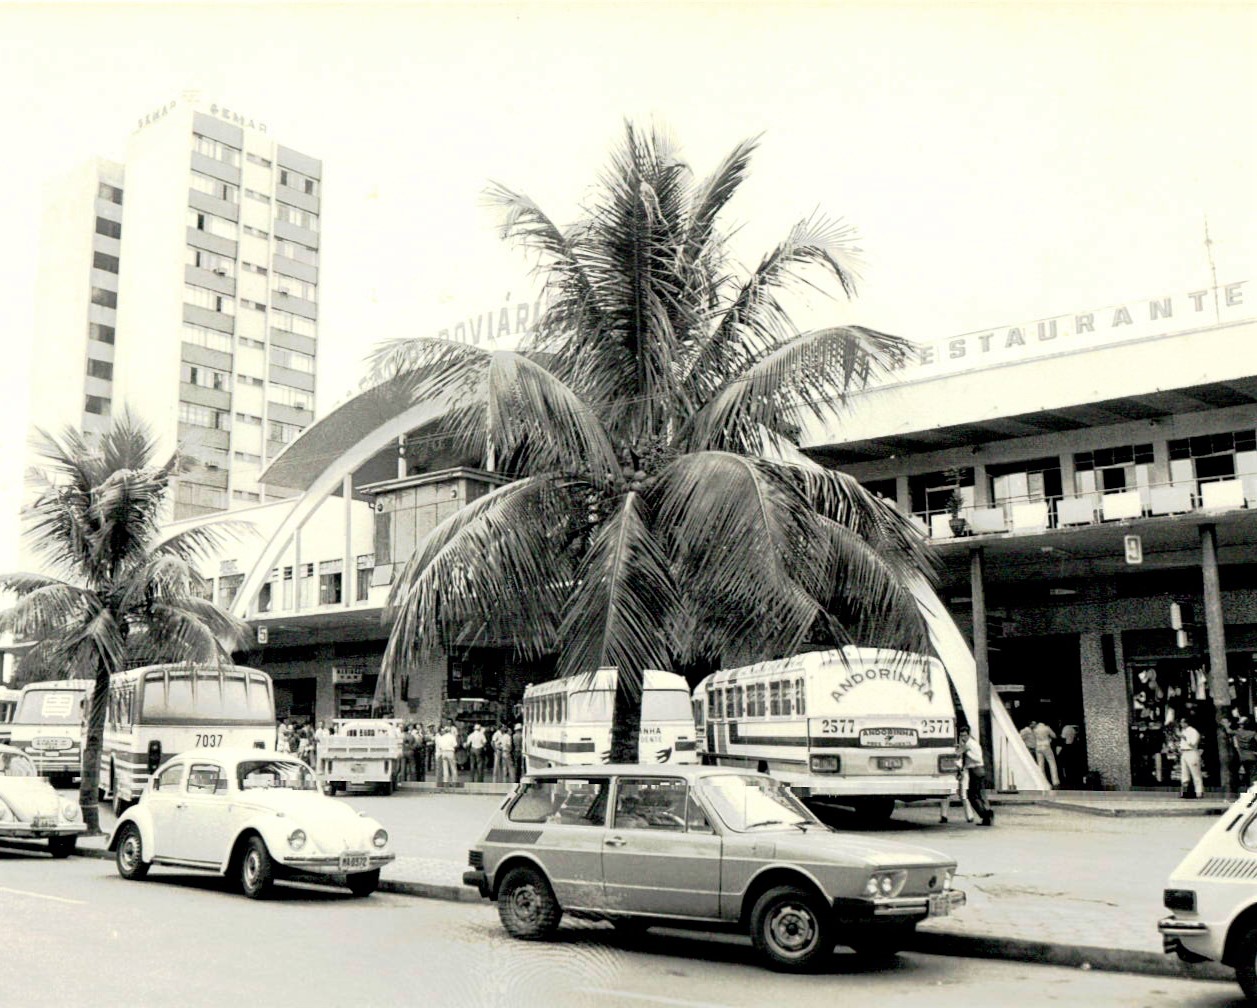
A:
[323, 486]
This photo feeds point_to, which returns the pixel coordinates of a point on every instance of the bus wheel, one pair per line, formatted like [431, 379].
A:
[61, 846]
[257, 871]
[131, 864]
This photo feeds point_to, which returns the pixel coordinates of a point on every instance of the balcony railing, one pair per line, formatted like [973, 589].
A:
[1030, 514]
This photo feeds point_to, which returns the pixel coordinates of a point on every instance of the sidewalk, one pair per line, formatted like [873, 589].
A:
[1071, 879]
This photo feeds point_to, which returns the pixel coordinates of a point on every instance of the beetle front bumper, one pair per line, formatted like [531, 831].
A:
[332, 866]
[899, 907]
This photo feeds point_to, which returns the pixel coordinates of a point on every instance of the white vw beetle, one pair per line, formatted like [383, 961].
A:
[1212, 896]
[252, 813]
[31, 810]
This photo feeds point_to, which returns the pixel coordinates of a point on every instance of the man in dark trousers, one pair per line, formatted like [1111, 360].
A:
[973, 765]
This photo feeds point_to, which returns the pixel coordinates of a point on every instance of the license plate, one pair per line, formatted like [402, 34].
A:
[39, 822]
[890, 762]
[351, 862]
[888, 737]
[357, 768]
[940, 905]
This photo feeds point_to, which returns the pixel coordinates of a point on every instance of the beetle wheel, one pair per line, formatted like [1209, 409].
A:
[1246, 963]
[130, 856]
[257, 870]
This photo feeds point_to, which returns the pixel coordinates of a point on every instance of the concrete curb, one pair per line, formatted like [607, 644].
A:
[930, 942]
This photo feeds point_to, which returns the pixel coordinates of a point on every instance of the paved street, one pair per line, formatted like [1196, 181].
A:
[191, 940]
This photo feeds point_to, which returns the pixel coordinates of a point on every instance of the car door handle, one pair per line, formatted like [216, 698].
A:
[615, 841]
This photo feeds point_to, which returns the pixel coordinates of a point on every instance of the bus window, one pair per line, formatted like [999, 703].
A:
[729, 702]
[711, 703]
[739, 701]
[800, 705]
[774, 698]
[665, 705]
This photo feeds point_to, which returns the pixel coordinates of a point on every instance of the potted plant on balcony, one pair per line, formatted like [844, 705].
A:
[954, 503]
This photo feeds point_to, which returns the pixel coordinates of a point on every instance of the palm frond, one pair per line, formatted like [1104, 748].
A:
[45, 606]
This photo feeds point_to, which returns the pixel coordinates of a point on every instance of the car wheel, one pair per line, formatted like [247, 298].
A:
[1246, 963]
[257, 870]
[363, 883]
[790, 928]
[130, 857]
[879, 943]
[526, 905]
[61, 846]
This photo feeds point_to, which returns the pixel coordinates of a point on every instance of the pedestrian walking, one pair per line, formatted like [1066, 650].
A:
[409, 770]
[476, 744]
[960, 793]
[1189, 760]
[1069, 757]
[1043, 752]
[517, 749]
[974, 766]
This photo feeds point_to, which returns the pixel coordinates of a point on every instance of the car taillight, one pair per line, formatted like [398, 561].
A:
[948, 764]
[154, 755]
[825, 764]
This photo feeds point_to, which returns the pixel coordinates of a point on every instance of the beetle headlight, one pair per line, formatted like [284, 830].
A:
[70, 811]
[297, 839]
[885, 884]
[380, 838]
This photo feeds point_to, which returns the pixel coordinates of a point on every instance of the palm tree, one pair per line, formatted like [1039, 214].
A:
[657, 514]
[117, 592]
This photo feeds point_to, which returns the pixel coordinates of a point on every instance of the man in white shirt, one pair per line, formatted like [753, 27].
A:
[476, 742]
[974, 766]
[446, 744]
[1189, 760]
[1044, 754]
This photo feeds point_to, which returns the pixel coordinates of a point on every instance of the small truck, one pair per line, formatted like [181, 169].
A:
[362, 751]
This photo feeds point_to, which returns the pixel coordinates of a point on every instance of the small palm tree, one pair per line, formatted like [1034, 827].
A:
[658, 514]
[116, 592]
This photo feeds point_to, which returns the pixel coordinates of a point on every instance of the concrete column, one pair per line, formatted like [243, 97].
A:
[981, 487]
[347, 571]
[1160, 460]
[1215, 631]
[296, 571]
[903, 496]
[1106, 711]
[1067, 474]
[977, 591]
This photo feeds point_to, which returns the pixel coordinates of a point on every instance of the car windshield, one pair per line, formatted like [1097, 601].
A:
[746, 803]
[259, 774]
[16, 765]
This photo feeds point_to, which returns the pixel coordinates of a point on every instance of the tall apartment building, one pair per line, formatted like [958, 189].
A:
[185, 279]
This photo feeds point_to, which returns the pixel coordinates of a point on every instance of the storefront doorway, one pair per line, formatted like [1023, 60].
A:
[1163, 690]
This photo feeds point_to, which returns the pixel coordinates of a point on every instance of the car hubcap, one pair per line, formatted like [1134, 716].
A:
[130, 852]
[792, 928]
[251, 869]
[524, 903]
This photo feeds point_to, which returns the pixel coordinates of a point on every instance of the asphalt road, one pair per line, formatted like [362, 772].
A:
[76, 933]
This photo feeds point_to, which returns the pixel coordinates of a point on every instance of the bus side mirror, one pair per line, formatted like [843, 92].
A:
[154, 755]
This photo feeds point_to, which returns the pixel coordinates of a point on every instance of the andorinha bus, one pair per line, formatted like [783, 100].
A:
[48, 727]
[159, 711]
[568, 721]
[860, 727]
[8, 707]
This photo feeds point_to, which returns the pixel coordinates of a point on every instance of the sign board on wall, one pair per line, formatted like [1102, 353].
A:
[343, 676]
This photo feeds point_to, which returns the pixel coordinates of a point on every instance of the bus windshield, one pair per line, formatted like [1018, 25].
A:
[666, 705]
[261, 774]
[49, 706]
[206, 696]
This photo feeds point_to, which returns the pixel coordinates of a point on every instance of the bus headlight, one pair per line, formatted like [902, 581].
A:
[380, 838]
[297, 839]
[885, 883]
[70, 811]
[825, 764]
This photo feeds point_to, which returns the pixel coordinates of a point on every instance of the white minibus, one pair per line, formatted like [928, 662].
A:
[859, 727]
[48, 727]
[568, 721]
[159, 711]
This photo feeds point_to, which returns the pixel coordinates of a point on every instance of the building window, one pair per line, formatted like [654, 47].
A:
[204, 416]
[292, 287]
[287, 592]
[330, 582]
[296, 251]
[250, 380]
[216, 188]
[205, 377]
[96, 405]
[250, 419]
[212, 261]
[293, 360]
[111, 193]
[104, 261]
[256, 232]
[100, 369]
[247, 457]
[283, 395]
[1211, 457]
[288, 322]
[295, 215]
[365, 564]
[295, 180]
[256, 344]
[260, 197]
[255, 305]
[220, 227]
[246, 495]
[209, 300]
[283, 433]
[307, 585]
[228, 587]
[216, 150]
[100, 332]
[1022, 482]
[1110, 470]
[257, 159]
[211, 339]
[929, 492]
[104, 298]
[108, 228]
[253, 268]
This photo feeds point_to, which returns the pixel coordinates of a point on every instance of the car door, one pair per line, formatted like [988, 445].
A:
[661, 854]
[562, 822]
[200, 829]
[164, 802]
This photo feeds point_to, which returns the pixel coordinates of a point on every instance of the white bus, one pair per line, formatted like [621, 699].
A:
[859, 727]
[48, 727]
[159, 711]
[568, 721]
[8, 707]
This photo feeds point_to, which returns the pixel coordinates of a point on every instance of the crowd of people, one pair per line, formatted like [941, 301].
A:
[479, 753]
[301, 739]
[1060, 756]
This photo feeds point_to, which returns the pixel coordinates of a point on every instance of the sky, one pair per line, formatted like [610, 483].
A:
[1000, 161]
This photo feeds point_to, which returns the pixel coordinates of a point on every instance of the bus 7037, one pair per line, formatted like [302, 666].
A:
[159, 711]
[860, 727]
[48, 727]
[568, 721]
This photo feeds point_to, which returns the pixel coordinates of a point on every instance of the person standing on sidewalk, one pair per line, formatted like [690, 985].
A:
[1189, 760]
[961, 792]
[476, 742]
[975, 773]
[1043, 752]
[446, 744]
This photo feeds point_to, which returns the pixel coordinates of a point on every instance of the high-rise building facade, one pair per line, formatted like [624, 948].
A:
[186, 281]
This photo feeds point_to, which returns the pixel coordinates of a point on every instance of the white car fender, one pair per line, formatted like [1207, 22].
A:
[272, 828]
[139, 815]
